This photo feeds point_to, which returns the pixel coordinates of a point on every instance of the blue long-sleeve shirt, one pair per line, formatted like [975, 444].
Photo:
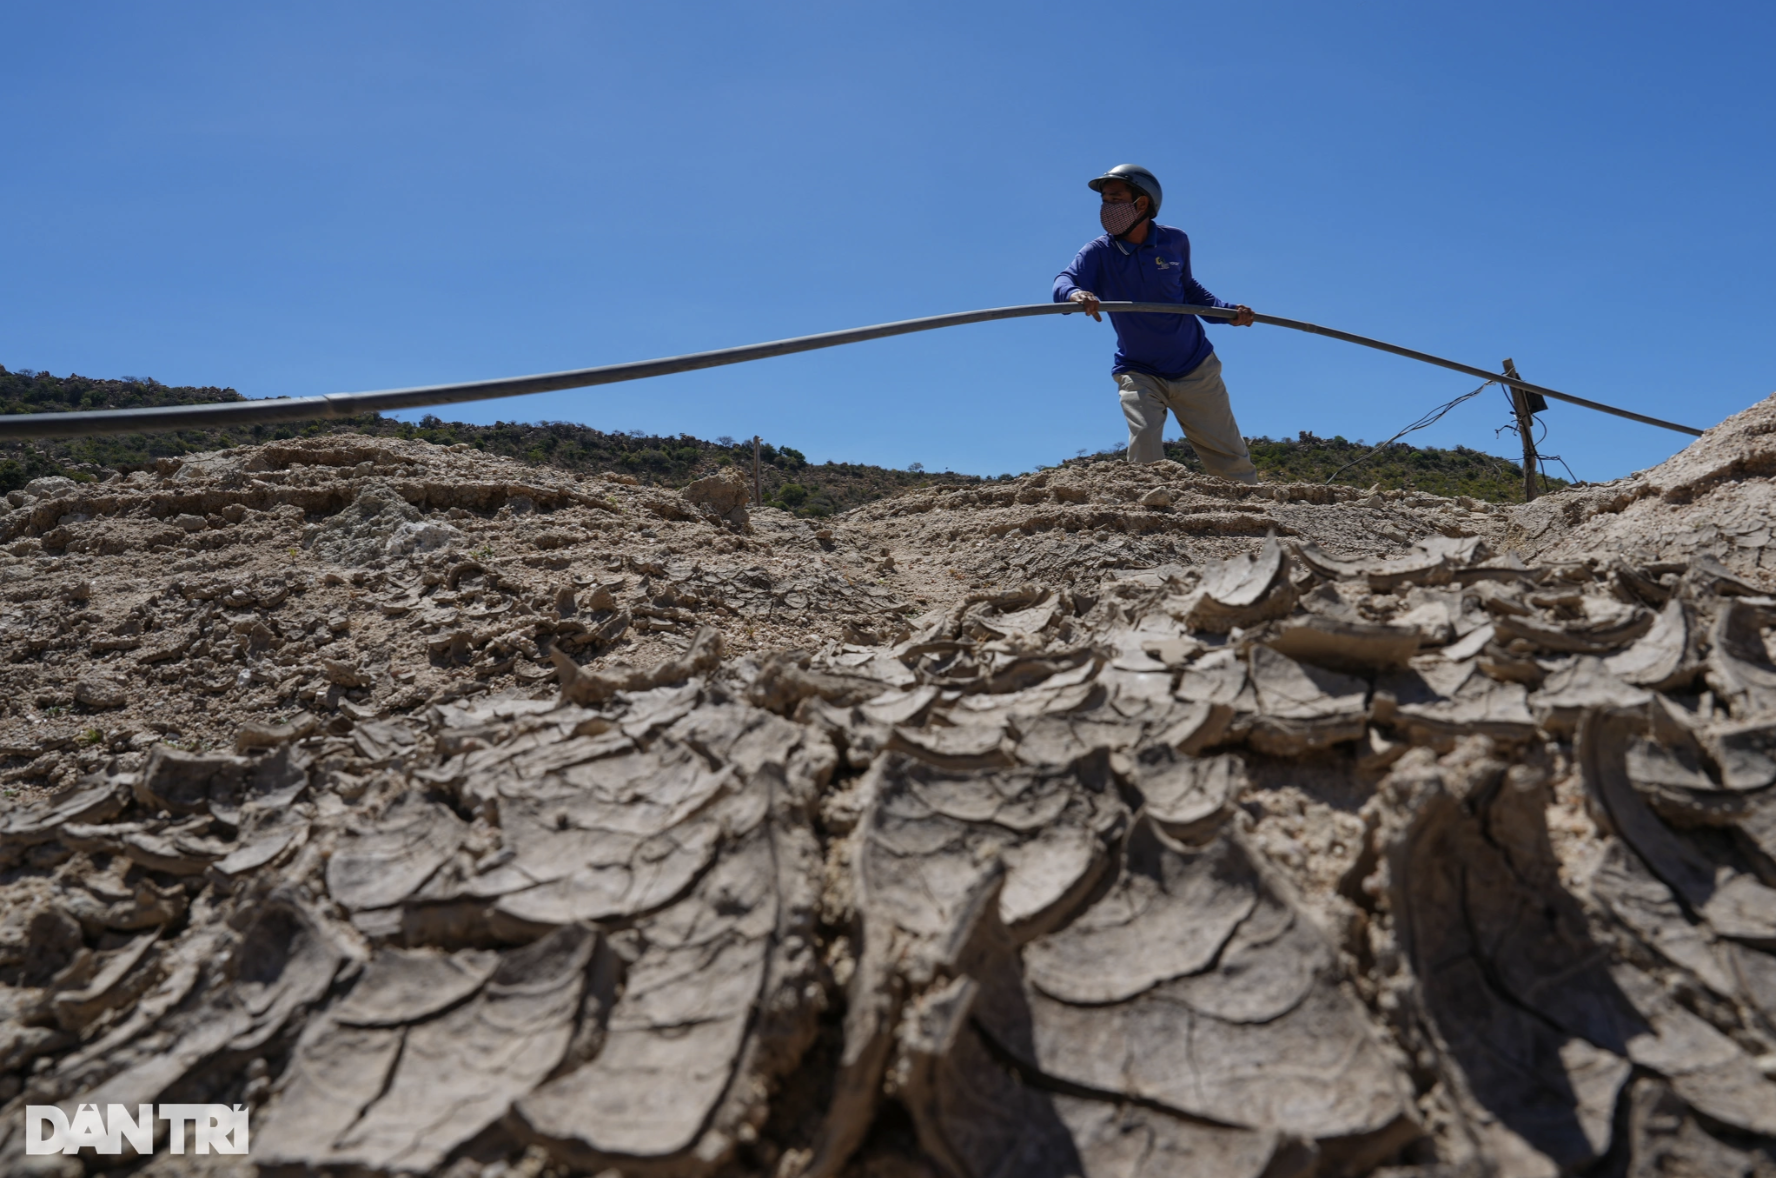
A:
[1156, 271]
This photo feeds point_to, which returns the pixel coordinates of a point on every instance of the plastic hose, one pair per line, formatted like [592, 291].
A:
[334, 405]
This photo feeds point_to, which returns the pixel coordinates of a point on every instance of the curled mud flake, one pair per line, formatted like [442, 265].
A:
[1663, 658]
[1745, 751]
[590, 687]
[1437, 702]
[629, 834]
[1703, 1066]
[1537, 1063]
[434, 1053]
[1187, 795]
[1647, 907]
[1343, 644]
[1168, 915]
[188, 783]
[1242, 591]
[385, 862]
[693, 1043]
[89, 802]
[1584, 684]
[1734, 904]
[1301, 707]
[1265, 1029]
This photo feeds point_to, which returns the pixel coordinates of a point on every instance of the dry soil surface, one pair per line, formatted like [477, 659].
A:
[458, 817]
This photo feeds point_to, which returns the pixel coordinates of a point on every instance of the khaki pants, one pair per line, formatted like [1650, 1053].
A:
[1200, 401]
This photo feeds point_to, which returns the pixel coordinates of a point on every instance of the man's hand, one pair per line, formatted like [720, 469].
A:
[1090, 301]
[1244, 318]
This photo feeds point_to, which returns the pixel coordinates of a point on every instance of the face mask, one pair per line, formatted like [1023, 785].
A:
[1118, 219]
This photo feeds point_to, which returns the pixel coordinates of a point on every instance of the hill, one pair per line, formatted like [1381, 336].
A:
[1399, 467]
[789, 480]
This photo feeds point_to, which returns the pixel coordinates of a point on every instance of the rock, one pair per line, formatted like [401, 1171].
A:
[190, 783]
[50, 487]
[363, 531]
[415, 536]
[344, 674]
[582, 686]
[257, 735]
[97, 691]
[721, 493]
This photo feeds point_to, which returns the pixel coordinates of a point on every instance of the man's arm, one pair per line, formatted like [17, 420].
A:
[1075, 283]
[1197, 295]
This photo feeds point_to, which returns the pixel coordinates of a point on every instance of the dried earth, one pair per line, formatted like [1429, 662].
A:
[464, 818]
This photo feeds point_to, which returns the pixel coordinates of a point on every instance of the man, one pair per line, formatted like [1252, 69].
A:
[1162, 361]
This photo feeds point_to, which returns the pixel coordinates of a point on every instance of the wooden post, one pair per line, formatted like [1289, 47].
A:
[1526, 432]
[758, 486]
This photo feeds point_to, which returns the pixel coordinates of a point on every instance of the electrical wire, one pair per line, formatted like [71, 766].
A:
[1429, 419]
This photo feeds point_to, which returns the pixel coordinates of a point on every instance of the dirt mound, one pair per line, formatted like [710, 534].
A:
[361, 578]
[1073, 525]
[1715, 499]
[462, 819]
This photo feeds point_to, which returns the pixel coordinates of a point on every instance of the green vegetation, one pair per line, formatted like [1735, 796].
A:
[1311, 459]
[789, 480]
[1460, 471]
[26, 391]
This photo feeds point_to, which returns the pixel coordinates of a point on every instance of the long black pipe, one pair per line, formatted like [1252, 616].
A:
[333, 405]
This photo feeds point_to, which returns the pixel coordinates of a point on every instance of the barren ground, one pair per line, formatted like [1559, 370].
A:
[461, 817]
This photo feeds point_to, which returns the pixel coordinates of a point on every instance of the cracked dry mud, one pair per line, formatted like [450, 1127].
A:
[467, 819]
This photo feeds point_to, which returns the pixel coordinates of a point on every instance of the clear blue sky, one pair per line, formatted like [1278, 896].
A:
[297, 199]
